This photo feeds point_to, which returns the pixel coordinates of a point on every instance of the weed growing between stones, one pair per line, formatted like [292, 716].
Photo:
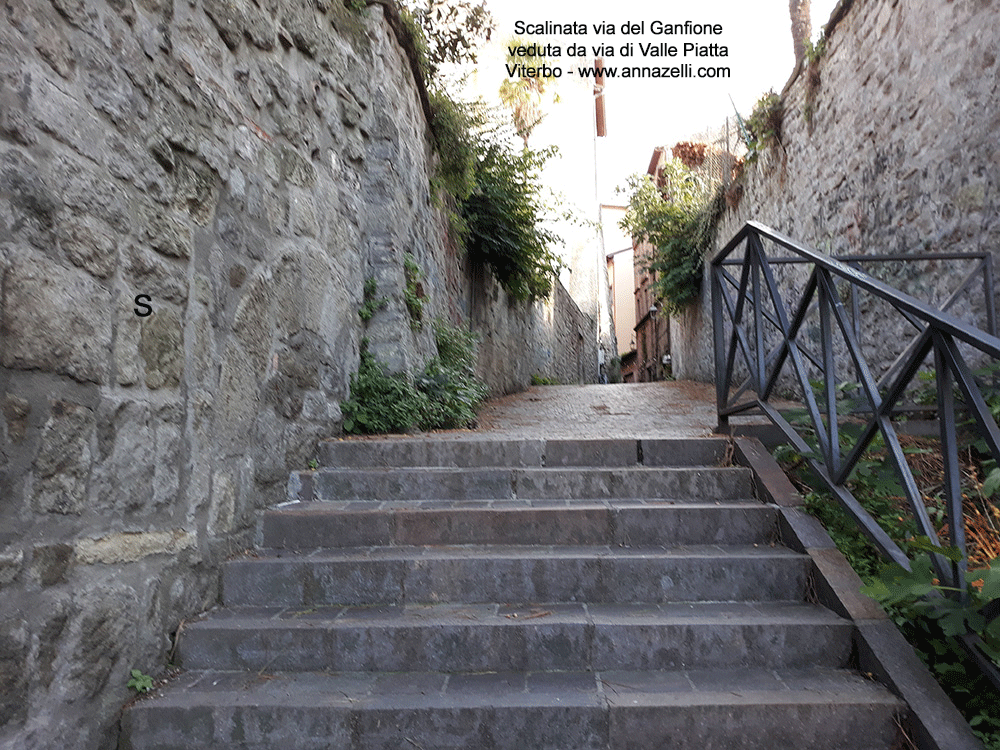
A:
[537, 379]
[814, 53]
[371, 304]
[445, 395]
[413, 294]
[762, 130]
[140, 682]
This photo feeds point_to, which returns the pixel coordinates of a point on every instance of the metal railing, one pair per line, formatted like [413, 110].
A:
[783, 345]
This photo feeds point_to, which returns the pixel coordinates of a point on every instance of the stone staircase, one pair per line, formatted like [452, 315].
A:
[426, 594]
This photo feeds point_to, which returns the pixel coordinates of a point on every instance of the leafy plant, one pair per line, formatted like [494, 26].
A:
[815, 50]
[913, 598]
[453, 125]
[380, 402]
[505, 219]
[141, 683]
[413, 294]
[450, 30]
[537, 379]
[930, 619]
[370, 303]
[763, 128]
[491, 195]
[678, 219]
[449, 380]
[444, 395]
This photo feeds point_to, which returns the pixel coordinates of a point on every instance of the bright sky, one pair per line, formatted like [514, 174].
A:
[643, 114]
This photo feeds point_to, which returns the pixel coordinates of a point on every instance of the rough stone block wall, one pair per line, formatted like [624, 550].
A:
[899, 156]
[246, 165]
[564, 338]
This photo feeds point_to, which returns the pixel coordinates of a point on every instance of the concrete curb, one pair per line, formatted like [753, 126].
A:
[933, 723]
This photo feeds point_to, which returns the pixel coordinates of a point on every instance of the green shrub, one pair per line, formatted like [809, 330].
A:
[927, 623]
[679, 221]
[763, 128]
[381, 402]
[931, 622]
[537, 379]
[445, 395]
[449, 381]
[453, 126]
[490, 193]
[504, 216]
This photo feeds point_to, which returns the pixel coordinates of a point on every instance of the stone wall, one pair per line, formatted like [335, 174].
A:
[565, 339]
[247, 166]
[899, 156]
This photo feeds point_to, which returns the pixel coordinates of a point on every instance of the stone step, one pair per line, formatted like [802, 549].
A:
[499, 638]
[684, 484]
[477, 452]
[306, 526]
[492, 573]
[751, 709]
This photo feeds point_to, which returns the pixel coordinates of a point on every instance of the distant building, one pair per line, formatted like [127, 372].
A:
[711, 155]
[621, 287]
[652, 326]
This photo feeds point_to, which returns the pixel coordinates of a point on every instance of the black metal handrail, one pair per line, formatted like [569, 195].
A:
[757, 324]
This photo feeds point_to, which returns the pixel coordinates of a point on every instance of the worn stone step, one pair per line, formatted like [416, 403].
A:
[491, 573]
[306, 526]
[751, 709]
[478, 452]
[497, 638]
[690, 484]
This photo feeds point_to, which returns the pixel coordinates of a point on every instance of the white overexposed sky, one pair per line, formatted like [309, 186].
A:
[644, 113]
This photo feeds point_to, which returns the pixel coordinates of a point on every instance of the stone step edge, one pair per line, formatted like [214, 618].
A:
[432, 615]
[197, 689]
[335, 507]
[308, 526]
[548, 552]
[425, 451]
[437, 483]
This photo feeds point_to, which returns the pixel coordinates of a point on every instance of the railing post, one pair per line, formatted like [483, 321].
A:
[719, 335]
[991, 315]
[826, 289]
[949, 457]
[755, 256]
